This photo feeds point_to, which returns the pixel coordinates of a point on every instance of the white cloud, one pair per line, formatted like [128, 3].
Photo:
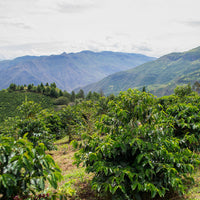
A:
[13, 23]
[152, 27]
[193, 23]
[76, 6]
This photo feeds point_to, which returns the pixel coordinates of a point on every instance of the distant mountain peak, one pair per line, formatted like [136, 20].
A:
[63, 54]
[68, 71]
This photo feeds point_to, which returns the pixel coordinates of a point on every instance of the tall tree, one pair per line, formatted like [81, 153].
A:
[60, 93]
[13, 86]
[39, 89]
[80, 94]
[73, 96]
[30, 86]
[53, 85]
[53, 92]
[89, 96]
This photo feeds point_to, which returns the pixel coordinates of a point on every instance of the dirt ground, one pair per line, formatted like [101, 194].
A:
[64, 158]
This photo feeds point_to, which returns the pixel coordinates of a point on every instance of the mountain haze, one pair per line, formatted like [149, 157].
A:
[68, 71]
[160, 76]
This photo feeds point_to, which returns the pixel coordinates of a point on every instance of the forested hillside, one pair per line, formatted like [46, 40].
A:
[160, 77]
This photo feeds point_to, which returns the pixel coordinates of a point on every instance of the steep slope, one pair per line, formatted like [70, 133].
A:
[160, 76]
[68, 71]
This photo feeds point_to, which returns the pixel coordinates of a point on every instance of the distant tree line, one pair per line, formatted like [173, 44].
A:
[62, 97]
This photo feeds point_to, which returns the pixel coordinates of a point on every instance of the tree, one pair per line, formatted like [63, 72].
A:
[60, 93]
[53, 92]
[144, 89]
[42, 87]
[47, 91]
[80, 94]
[30, 86]
[182, 91]
[21, 87]
[66, 94]
[13, 87]
[39, 89]
[96, 96]
[53, 85]
[89, 96]
[73, 96]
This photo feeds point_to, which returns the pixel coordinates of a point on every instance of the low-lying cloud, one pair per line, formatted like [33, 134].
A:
[15, 24]
[75, 6]
[195, 23]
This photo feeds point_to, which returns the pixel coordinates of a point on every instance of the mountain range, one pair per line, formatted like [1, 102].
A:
[68, 71]
[160, 76]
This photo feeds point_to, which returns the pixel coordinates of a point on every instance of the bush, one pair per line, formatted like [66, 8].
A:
[61, 101]
[182, 91]
[134, 153]
[34, 125]
[185, 118]
[24, 168]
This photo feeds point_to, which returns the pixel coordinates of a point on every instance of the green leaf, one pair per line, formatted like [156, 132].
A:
[139, 158]
[8, 180]
[134, 185]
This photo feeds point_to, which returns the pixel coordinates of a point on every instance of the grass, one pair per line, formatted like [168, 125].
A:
[193, 192]
[76, 183]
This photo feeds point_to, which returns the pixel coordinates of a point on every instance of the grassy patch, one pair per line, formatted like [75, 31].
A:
[193, 192]
[76, 183]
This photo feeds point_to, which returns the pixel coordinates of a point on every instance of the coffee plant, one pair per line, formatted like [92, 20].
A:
[134, 153]
[186, 123]
[24, 169]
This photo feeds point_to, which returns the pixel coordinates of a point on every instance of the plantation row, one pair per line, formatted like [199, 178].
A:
[137, 146]
[48, 96]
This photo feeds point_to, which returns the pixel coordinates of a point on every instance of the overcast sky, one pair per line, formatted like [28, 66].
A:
[151, 27]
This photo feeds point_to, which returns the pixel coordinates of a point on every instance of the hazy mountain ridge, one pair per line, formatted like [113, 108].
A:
[160, 76]
[68, 71]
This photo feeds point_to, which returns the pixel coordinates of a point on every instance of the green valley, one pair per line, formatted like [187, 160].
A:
[160, 77]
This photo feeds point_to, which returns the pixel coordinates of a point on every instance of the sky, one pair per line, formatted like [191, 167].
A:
[150, 27]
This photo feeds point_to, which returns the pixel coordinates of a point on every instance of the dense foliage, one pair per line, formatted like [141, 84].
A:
[136, 152]
[25, 168]
[137, 146]
[39, 128]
